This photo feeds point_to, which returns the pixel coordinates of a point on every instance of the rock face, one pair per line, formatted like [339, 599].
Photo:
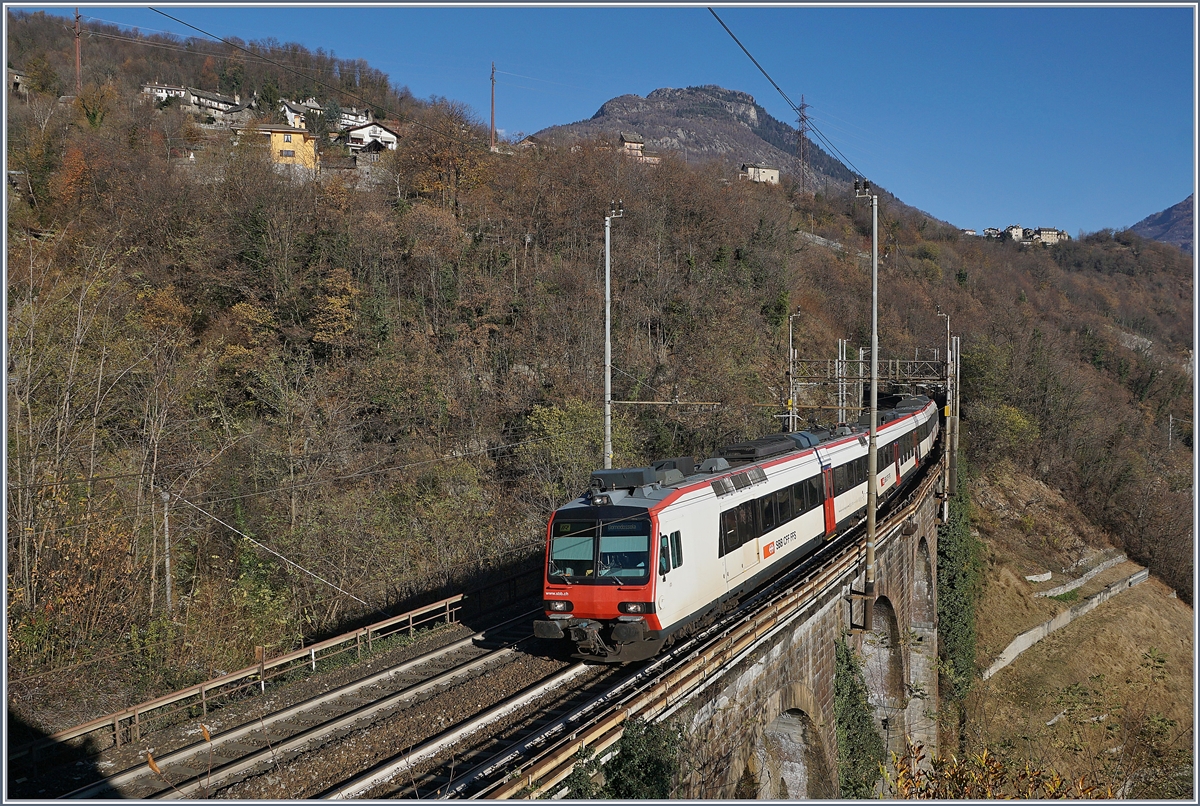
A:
[704, 123]
[1173, 225]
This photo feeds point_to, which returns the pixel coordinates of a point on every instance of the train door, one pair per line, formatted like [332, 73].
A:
[669, 549]
[830, 515]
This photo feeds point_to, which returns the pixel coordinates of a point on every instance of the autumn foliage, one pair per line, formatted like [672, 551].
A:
[392, 378]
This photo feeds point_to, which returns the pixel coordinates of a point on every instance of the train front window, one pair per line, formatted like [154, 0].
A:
[625, 551]
[620, 556]
[572, 551]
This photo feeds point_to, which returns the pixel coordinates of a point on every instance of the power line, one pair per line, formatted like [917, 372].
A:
[534, 78]
[783, 94]
[183, 48]
[271, 550]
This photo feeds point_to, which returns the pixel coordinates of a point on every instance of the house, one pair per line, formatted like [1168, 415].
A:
[530, 142]
[360, 137]
[18, 84]
[759, 172]
[210, 103]
[991, 232]
[293, 113]
[1046, 235]
[970, 232]
[290, 147]
[355, 117]
[1015, 232]
[240, 115]
[634, 147]
[162, 92]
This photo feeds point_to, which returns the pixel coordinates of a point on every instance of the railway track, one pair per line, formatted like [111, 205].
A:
[465, 720]
[526, 745]
[209, 765]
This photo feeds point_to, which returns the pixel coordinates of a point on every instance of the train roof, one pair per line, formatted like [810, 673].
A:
[646, 487]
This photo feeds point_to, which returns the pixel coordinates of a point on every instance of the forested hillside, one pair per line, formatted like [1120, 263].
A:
[392, 387]
[43, 48]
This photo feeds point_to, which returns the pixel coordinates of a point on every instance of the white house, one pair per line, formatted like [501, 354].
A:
[363, 136]
[759, 172]
[162, 92]
[355, 117]
[293, 113]
[1046, 235]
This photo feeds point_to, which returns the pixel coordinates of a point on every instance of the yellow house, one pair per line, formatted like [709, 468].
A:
[289, 146]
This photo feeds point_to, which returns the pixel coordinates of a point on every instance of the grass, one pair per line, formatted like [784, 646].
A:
[1067, 597]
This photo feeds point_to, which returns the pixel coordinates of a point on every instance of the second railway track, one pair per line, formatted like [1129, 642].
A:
[239, 755]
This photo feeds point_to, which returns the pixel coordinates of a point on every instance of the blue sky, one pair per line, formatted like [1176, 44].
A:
[1071, 117]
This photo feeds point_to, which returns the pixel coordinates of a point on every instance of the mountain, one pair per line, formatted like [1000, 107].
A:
[703, 123]
[1173, 225]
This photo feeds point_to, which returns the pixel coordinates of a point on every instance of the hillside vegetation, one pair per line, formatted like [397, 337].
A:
[393, 388]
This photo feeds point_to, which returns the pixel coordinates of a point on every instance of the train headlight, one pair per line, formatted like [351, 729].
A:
[636, 607]
[559, 605]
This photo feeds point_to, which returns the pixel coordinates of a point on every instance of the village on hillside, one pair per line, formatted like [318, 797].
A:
[1047, 236]
[358, 137]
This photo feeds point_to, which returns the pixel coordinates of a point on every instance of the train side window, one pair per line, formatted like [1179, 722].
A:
[664, 555]
[798, 501]
[817, 483]
[783, 505]
[676, 550]
[747, 516]
[766, 507]
[728, 531]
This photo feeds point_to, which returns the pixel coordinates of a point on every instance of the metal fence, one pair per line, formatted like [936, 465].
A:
[127, 725]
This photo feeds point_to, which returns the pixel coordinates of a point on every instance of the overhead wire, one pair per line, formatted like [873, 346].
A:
[263, 59]
[270, 550]
[783, 94]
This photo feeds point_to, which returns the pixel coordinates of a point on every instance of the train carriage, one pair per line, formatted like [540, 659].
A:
[649, 553]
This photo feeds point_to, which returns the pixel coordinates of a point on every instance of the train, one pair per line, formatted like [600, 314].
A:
[648, 555]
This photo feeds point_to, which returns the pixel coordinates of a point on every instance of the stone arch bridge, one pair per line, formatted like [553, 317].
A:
[765, 729]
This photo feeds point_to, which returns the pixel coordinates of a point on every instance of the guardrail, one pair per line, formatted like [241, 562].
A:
[127, 725]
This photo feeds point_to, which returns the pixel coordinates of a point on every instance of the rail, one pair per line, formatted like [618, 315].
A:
[680, 683]
[126, 725]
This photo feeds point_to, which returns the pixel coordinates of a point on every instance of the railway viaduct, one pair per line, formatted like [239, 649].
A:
[766, 728]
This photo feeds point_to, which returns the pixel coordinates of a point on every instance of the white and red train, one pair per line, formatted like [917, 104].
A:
[648, 553]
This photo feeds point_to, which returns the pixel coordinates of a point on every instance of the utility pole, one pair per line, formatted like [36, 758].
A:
[167, 543]
[946, 439]
[791, 376]
[801, 141]
[78, 58]
[872, 450]
[614, 211]
[493, 106]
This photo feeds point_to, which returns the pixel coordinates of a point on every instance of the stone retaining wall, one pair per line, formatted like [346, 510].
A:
[1030, 637]
[1075, 583]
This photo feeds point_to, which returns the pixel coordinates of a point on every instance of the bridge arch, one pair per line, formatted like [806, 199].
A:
[923, 608]
[787, 759]
[883, 671]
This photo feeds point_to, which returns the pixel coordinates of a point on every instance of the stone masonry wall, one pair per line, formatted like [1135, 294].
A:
[766, 729]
